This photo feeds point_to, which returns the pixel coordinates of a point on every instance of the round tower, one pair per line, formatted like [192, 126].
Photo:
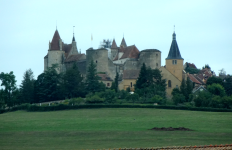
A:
[99, 57]
[151, 57]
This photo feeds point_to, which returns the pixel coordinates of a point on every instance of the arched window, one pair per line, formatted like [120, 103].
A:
[131, 84]
[169, 83]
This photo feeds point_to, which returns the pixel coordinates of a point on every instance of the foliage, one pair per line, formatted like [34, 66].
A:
[214, 79]
[186, 89]
[192, 70]
[216, 89]
[93, 98]
[92, 83]
[27, 87]
[128, 89]
[158, 99]
[175, 91]
[75, 101]
[109, 96]
[133, 97]
[150, 83]
[9, 93]
[116, 82]
[226, 102]
[178, 98]
[48, 86]
[206, 66]
[73, 83]
[203, 99]
[227, 84]
[122, 94]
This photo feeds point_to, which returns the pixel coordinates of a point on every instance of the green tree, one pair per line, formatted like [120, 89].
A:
[216, 89]
[150, 83]
[227, 84]
[9, 91]
[214, 79]
[116, 82]
[178, 98]
[27, 87]
[175, 91]
[203, 99]
[133, 97]
[92, 83]
[110, 96]
[189, 89]
[73, 82]
[142, 79]
[48, 86]
[206, 66]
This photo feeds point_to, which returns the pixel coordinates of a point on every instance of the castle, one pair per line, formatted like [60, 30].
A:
[126, 60]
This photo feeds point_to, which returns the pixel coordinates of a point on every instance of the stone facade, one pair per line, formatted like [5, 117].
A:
[126, 60]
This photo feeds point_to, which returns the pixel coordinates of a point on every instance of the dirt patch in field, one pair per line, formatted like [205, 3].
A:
[171, 129]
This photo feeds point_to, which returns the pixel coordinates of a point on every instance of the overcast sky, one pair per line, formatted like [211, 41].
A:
[203, 29]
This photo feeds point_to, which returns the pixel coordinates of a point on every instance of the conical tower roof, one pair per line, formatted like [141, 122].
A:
[123, 43]
[114, 45]
[174, 52]
[55, 41]
[73, 38]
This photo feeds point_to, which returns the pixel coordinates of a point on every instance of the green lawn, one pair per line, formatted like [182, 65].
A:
[112, 128]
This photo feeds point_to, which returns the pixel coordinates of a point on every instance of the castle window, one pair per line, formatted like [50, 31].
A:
[131, 84]
[96, 61]
[156, 64]
[108, 84]
[174, 62]
[177, 86]
[156, 55]
[169, 83]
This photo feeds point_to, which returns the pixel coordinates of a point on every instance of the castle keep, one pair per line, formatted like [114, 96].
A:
[126, 60]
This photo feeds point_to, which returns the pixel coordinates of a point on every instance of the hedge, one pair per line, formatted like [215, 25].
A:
[32, 108]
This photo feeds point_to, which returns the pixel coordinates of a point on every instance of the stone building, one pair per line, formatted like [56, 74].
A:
[126, 60]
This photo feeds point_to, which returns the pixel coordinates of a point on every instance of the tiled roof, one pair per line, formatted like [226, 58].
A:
[131, 74]
[130, 52]
[174, 52]
[67, 48]
[75, 57]
[114, 45]
[46, 56]
[193, 79]
[55, 41]
[123, 43]
[150, 50]
[104, 77]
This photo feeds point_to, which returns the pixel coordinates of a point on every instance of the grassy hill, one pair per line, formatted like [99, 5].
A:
[112, 128]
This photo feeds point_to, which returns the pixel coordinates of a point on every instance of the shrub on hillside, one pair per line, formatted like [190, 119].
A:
[216, 89]
[178, 98]
[94, 99]
[158, 99]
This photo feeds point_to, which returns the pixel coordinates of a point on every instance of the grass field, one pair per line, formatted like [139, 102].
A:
[112, 128]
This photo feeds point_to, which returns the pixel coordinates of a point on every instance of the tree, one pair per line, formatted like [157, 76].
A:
[116, 82]
[183, 88]
[178, 98]
[216, 89]
[206, 66]
[189, 89]
[9, 83]
[227, 84]
[92, 83]
[214, 79]
[175, 91]
[48, 85]
[142, 79]
[73, 83]
[203, 99]
[150, 83]
[27, 87]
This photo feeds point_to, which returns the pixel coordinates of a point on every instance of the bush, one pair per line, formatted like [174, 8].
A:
[203, 99]
[94, 99]
[133, 97]
[158, 99]
[216, 89]
[109, 96]
[122, 94]
[178, 98]
[75, 101]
